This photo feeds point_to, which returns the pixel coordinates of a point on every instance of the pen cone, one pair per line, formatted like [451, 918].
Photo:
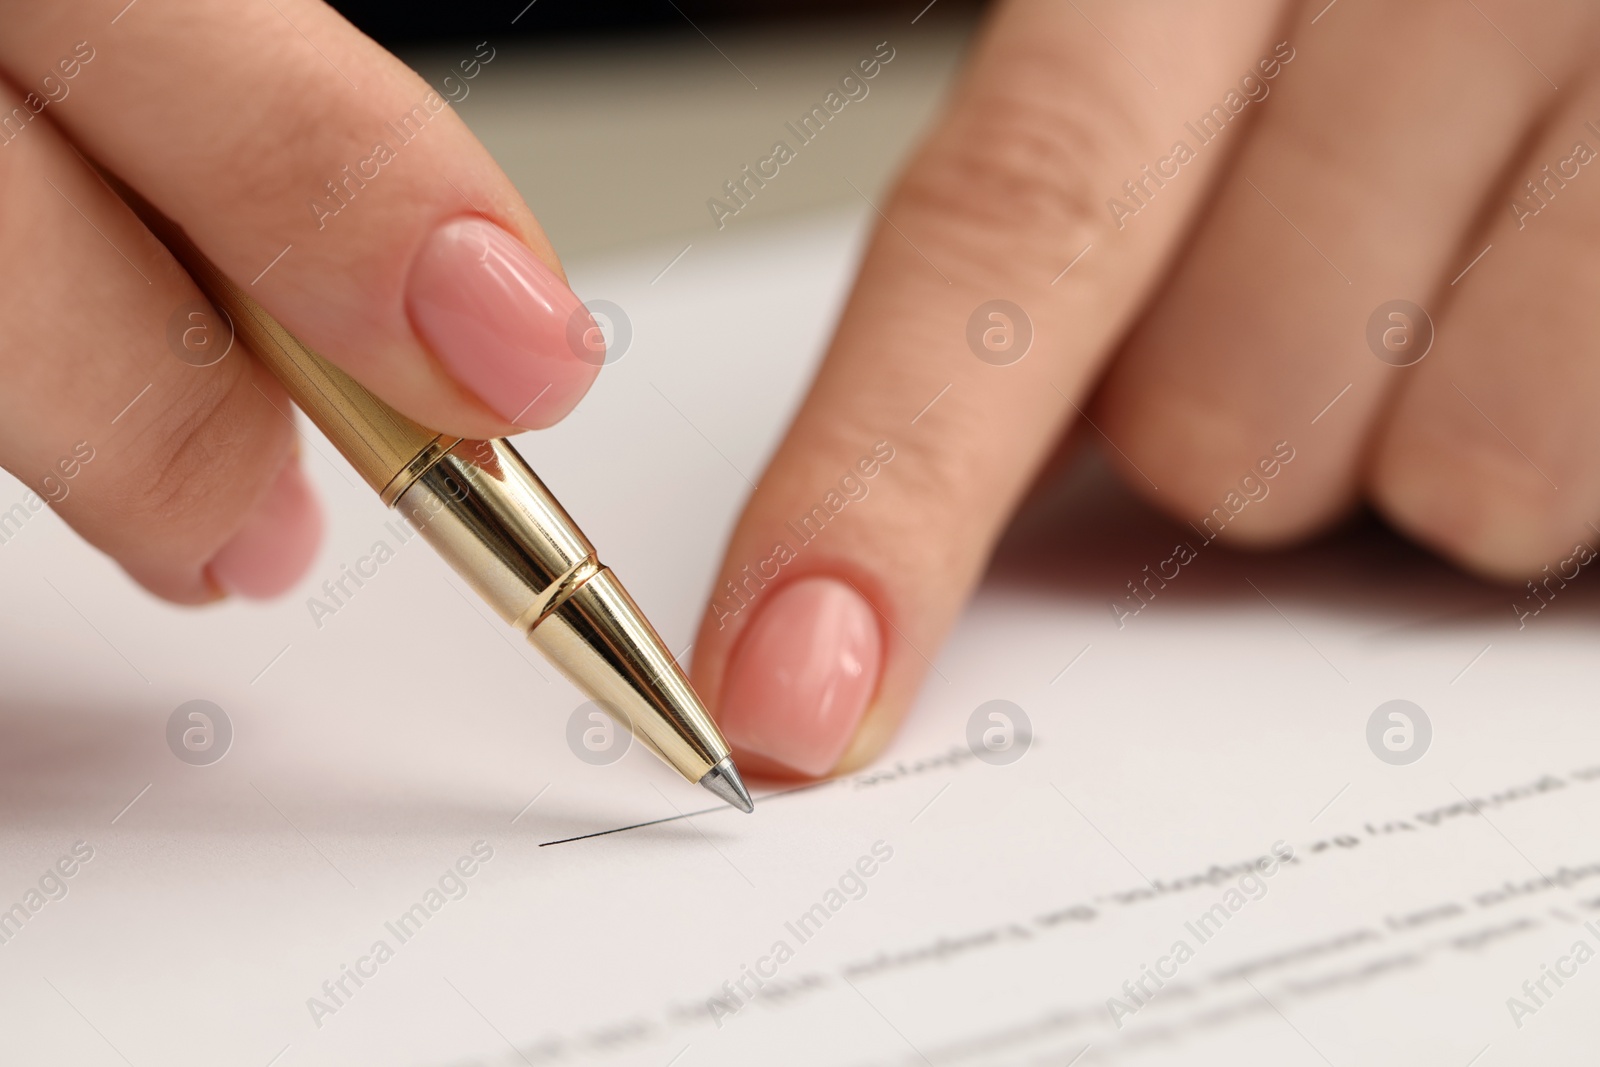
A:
[724, 780]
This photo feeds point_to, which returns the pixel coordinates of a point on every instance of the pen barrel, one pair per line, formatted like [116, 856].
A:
[493, 520]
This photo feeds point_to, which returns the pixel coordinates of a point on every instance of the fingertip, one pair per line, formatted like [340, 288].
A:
[276, 543]
[502, 322]
[802, 675]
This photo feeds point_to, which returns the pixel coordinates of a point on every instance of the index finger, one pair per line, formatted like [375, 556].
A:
[999, 279]
[329, 181]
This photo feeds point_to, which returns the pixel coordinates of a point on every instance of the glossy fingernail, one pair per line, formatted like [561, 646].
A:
[504, 324]
[276, 543]
[802, 676]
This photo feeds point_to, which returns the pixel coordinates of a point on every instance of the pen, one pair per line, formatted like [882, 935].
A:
[481, 508]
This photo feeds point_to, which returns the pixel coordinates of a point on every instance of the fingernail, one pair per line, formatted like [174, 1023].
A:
[276, 543]
[502, 322]
[802, 675]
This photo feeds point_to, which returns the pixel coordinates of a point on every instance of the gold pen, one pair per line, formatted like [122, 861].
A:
[490, 517]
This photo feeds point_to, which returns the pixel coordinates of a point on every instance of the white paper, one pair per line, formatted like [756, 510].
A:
[1006, 905]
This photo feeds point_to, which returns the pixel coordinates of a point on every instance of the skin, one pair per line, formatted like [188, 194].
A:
[176, 478]
[1208, 326]
[1194, 333]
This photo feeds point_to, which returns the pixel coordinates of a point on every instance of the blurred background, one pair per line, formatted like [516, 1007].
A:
[619, 120]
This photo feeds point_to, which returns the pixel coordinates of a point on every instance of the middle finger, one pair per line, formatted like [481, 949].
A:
[1339, 201]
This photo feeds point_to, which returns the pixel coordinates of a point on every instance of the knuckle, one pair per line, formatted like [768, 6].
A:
[922, 483]
[1225, 473]
[1473, 504]
[197, 465]
[1019, 158]
[943, 469]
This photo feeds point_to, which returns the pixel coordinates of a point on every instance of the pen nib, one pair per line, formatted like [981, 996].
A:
[724, 780]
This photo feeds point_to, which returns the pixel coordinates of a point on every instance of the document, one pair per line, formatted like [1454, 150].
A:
[1158, 803]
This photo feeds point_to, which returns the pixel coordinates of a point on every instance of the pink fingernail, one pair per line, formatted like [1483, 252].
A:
[503, 323]
[276, 543]
[802, 676]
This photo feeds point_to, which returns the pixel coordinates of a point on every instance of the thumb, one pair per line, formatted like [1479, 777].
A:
[961, 357]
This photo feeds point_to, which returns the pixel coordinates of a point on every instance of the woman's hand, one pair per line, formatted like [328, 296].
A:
[320, 174]
[1201, 214]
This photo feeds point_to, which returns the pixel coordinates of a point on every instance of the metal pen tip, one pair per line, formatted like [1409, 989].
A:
[724, 781]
